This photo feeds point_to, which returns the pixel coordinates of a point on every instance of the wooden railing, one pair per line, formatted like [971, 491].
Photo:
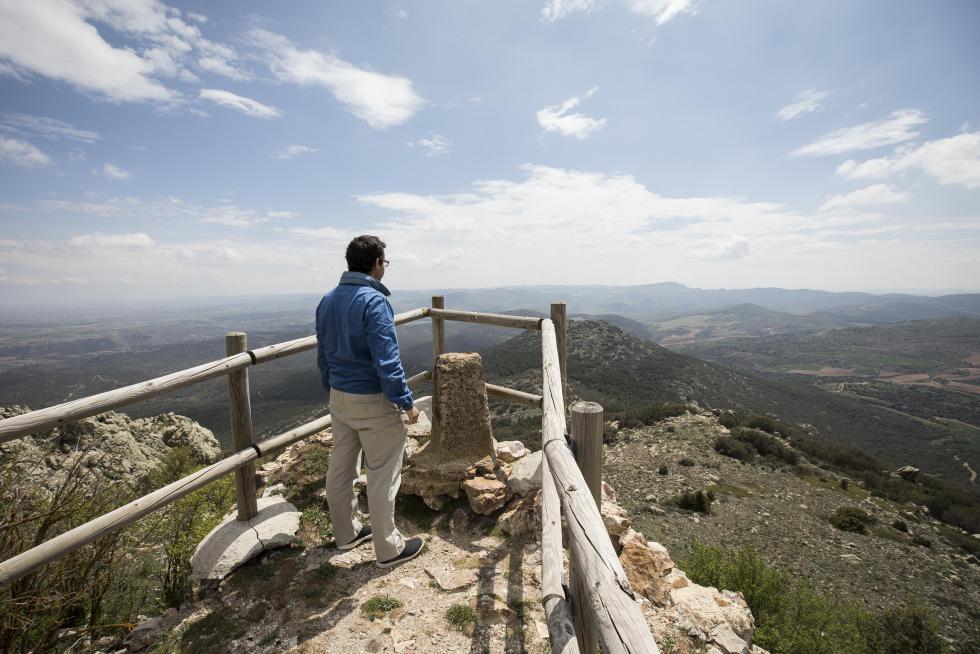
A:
[601, 607]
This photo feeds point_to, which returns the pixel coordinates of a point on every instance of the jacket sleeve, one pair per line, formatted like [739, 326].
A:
[321, 353]
[379, 326]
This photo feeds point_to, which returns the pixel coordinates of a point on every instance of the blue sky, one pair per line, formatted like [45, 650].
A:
[168, 149]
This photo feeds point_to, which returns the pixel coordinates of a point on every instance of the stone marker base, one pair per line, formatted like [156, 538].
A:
[234, 542]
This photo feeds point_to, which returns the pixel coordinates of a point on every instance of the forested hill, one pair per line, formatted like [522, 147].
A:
[608, 365]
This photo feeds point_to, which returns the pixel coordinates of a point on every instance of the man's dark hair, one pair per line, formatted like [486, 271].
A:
[363, 251]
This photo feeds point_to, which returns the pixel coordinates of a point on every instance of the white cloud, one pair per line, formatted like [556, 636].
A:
[22, 153]
[294, 151]
[898, 127]
[954, 160]
[323, 233]
[112, 207]
[281, 214]
[58, 39]
[434, 146]
[378, 99]
[804, 103]
[558, 9]
[197, 18]
[660, 10]
[729, 246]
[239, 103]
[113, 171]
[876, 194]
[557, 119]
[136, 240]
[50, 128]
[221, 66]
[232, 216]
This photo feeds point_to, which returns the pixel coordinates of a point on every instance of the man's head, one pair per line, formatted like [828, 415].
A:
[366, 254]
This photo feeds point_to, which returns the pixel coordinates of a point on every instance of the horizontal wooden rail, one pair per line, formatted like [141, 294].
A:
[514, 395]
[621, 625]
[61, 414]
[16, 567]
[498, 319]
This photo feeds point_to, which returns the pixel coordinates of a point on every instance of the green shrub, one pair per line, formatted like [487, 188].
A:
[651, 414]
[901, 525]
[460, 616]
[903, 629]
[686, 462]
[844, 484]
[379, 605]
[662, 470]
[730, 446]
[922, 540]
[698, 501]
[766, 445]
[848, 518]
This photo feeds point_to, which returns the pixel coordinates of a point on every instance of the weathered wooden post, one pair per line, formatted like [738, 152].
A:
[240, 411]
[438, 329]
[587, 439]
[558, 319]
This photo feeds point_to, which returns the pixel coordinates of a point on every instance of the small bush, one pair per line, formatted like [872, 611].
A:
[652, 413]
[379, 605]
[460, 616]
[922, 541]
[728, 419]
[848, 518]
[698, 501]
[901, 525]
[734, 448]
[844, 484]
[662, 470]
[685, 462]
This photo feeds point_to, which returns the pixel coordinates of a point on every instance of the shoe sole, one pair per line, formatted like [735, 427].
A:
[354, 543]
[396, 561]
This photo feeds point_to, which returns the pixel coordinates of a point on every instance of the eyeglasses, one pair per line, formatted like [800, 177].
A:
[386, 262]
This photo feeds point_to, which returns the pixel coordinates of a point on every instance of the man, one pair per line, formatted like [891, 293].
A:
[360, 366]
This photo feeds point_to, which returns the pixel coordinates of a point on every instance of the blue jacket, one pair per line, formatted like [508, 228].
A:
[357, 348]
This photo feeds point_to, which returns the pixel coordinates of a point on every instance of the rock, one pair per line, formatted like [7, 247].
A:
[234, 542]
[615, 518]
[608, 493]
[274, 490]
[677, 579]
[485, 495]
[460, 520]
[522, 517]
[908, 473]
[729, 642]
[452, 579]
[525, 474]
[510, 451]
[662, 557]
[642, 568]
[700, 609]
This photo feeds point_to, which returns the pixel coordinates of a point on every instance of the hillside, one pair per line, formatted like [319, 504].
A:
[783, 511]
[609, 366]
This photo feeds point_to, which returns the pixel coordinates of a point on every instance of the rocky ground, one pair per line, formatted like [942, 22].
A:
[475, 588]
[785, 515]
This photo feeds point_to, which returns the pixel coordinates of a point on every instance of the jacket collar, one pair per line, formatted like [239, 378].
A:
[351, 278]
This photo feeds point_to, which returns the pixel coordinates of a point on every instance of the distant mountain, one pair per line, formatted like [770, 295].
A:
[607, 365]
[735, 321]
[663, 300]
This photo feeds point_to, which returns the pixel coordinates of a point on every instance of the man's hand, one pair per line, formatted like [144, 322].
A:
[413, 415]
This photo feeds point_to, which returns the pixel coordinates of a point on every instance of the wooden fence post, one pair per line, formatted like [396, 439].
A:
[587, 438]
[438, 330]
[240, 411]
[558, 318]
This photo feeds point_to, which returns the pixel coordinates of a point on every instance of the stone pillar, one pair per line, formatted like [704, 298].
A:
[461, 412]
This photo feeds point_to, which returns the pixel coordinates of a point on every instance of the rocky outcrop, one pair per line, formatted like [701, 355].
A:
[908, 473]
[112, 447]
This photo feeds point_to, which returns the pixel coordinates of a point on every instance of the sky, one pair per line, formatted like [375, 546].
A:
[159, 150]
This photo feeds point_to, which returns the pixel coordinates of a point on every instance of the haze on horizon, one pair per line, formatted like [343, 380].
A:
[152, 149]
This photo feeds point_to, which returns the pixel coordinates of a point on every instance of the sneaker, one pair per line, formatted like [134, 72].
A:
[363, 535]
[413, 547]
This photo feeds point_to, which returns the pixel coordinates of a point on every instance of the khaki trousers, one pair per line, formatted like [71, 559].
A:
[373, 424]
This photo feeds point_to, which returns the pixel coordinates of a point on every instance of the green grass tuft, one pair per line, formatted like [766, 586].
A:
[379, 605]
[460, 616]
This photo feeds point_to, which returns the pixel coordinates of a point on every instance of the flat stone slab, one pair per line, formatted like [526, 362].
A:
[234, 542]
